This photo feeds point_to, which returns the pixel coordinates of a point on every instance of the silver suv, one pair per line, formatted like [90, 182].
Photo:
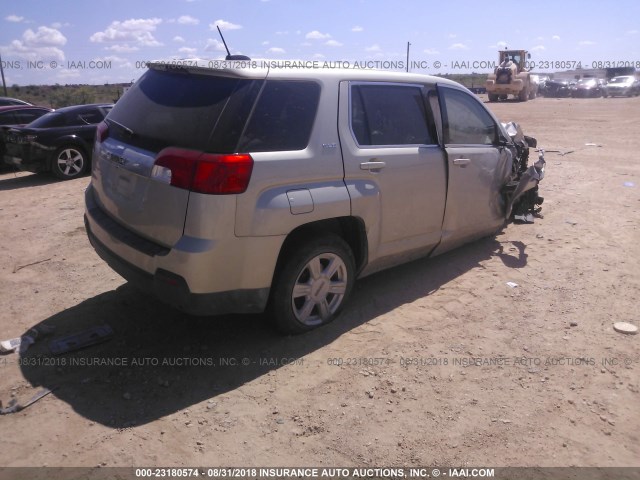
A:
[228, 190]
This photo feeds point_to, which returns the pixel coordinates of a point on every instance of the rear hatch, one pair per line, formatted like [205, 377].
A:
[171, 115]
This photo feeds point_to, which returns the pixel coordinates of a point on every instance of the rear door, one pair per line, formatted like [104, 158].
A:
[478, 168]
[395, 170]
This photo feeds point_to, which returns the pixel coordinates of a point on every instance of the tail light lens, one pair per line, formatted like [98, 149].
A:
[214, 174]
[24, 139]
[102, 133]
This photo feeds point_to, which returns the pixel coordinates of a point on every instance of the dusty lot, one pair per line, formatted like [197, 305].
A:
[225, 391]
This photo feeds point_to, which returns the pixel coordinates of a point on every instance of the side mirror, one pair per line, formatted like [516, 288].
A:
[528, 55]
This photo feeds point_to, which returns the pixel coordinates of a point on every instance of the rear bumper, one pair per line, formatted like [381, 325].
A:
[39, 165]
[152, 275]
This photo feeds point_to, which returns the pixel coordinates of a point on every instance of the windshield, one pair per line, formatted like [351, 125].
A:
[621, 80]
[182, 109]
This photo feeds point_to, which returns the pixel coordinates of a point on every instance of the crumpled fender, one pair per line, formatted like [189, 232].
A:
[529, 180]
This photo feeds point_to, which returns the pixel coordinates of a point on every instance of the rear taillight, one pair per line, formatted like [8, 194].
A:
[216, 174]
[102, 133]
[23, 139]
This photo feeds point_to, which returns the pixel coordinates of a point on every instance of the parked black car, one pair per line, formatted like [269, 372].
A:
[4, 101]
[17, 115]
[59, 142]
[557, 88]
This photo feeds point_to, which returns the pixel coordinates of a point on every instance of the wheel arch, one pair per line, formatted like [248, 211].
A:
[351, 229]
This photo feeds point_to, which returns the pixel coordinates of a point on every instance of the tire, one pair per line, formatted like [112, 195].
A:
[312, 285]
[523, 95]
[493, 97]
[69, 162]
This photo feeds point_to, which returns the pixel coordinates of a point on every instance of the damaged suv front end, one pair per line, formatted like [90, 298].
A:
[521, 191]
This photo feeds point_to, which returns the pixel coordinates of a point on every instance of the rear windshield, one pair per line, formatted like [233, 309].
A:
[49, 120]
[183, 109]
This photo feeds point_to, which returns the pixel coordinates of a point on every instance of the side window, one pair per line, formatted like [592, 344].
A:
[74, 119]
[91, 116]
[283, 117]
[7, 118]
[390, 115]
[465, 121]
[28, 116]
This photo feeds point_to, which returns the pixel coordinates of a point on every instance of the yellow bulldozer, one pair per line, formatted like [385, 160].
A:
[511, 77]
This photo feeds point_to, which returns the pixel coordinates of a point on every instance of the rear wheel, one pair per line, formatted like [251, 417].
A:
[69, 162]
[312, 285]
[493, 97]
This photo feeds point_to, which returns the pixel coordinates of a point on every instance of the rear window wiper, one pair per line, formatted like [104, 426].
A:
[125, 128]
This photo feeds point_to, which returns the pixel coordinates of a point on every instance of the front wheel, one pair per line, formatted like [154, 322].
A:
[69, 162]
[523, 96]
[312, 285]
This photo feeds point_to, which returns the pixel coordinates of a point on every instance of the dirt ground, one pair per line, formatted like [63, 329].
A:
[438, 362]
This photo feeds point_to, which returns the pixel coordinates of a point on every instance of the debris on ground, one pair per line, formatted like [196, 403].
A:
[76, 341]
[625, 327]
[19, 267]
[22, 343]
[14, 406]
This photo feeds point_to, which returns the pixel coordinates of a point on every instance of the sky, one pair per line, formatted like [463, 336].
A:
[109, 41]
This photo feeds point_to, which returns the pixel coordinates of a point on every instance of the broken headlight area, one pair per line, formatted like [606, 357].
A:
[521, 191]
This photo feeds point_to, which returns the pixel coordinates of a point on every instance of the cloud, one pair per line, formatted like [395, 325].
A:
[431, 51]
[318, 55]
[501, 45]
[137, 31]
[179, 39]
[357, 28]
[266, 42]
[458, 46]
[44, 43]
[124, 48]
[586, 42]
[188, 20]
[214, 45]
[14, 18]
[44, 36]
[333, 43]
[59, 25]
[277, 50]
[316, 35]
[538, 48]
[373, 48]
[556, 37]
[187, 50]
[632, 32]
[224, 25]
[453, 35]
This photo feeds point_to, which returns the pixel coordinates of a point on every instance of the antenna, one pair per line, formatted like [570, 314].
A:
[225, 43]
[229, 56]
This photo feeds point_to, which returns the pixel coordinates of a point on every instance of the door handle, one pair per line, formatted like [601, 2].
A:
[372, 165]
[461, 162]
